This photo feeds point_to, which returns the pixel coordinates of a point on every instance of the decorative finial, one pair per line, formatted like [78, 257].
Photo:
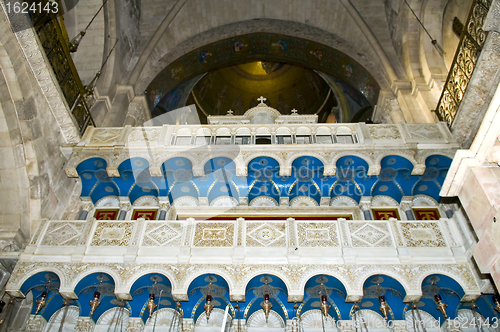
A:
[229, 112]
[261, 99]
[294, 111]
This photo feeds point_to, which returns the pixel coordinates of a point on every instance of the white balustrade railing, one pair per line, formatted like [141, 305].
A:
[317, 239]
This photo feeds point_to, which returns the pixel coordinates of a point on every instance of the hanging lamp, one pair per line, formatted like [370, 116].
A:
[496, 300]
[440, 305]
[266, 306]
[95, 302]
[384, 307]
[41, 303]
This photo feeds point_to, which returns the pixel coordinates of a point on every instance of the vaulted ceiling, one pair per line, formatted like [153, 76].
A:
[383, 37]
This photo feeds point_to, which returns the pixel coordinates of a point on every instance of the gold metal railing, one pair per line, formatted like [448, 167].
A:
[55, 42]
[471, 42]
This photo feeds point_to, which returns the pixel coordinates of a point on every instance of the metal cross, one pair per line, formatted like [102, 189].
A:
[261, 99]
[229, 112]
[294, 111]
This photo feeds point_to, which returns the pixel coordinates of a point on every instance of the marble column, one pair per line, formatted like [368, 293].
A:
[87, 206]
[406, 206]
[365, 207]
[164, 207]
[124, 208]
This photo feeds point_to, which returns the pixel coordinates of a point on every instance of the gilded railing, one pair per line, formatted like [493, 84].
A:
[52, 34]
[471, 42]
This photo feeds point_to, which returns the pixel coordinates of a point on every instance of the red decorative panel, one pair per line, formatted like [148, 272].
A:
[426, 214]
[385, 214]
[302, 217]
[148, 214]
[106, 214]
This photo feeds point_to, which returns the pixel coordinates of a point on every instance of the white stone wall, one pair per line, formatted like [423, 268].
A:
[89, 57]
[32, 184]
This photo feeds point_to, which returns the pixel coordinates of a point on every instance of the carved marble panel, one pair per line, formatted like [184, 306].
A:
[162, 234]
[64, 233]
[370, 234]
[265, 234]
[214, 234]
[317, 234]
[378, 132]
[141, 136]
[425, 131]
[106, 136]
[422, 234]
[116, 233]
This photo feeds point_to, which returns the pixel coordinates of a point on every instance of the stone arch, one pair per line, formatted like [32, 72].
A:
[233, 157]
[230, 26]
[283, 278]
[306, 277]
[75, 161]
[295, 156]
[459, 280]
[361, 280]
[128, 283]
[118, 163]
[206, 270]
[248, 159]
[14, 287]
[423, 155]
[185, 156]
[364, 157]
[388, 153]
[97, 269]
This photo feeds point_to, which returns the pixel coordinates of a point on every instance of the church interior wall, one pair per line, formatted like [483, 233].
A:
[32, 184]
[38, 199]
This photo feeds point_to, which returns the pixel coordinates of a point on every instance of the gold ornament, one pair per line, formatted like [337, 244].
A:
[266, 306]
[208, 306]
[95, 302]
[384, 308]
[151, 304]
[41, 303]
[324, 306]
[440, 305]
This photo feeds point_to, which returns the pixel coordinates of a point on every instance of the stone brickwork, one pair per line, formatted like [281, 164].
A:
[32, 184]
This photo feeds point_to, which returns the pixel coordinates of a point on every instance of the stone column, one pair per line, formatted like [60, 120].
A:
[135, 113]
[365, 206]
[164, 207]
[124, 207]
[86, 208]
[406, 205]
